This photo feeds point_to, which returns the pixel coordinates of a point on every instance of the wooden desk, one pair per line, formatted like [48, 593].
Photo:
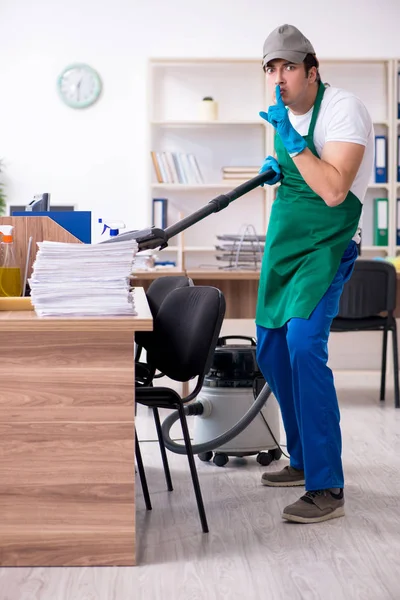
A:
[67, 439]
[150, 275]
[239, 287]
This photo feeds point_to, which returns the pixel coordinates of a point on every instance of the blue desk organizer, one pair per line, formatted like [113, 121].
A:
[77, 222]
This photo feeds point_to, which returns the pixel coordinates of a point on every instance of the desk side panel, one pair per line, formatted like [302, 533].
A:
[67, 449]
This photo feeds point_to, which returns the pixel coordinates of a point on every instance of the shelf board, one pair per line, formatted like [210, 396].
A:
[212, 248]
[155, 272]
[155, 250]
[355, 60]
[202, 61]
[374, 248]
[200, 186]
[199, 249]
[232, 184]
[218, 274]
[198, 123]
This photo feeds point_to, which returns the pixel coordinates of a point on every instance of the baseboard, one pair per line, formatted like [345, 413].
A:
[360, 379]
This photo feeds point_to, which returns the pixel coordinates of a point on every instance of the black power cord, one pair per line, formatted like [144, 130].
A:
[258, 384]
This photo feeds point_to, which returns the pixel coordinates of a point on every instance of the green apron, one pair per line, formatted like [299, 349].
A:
[305, 241]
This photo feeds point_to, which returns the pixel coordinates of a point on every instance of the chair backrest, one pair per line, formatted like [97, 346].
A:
[186, 331]
[161, 287]
[156, 293]
[370, 290]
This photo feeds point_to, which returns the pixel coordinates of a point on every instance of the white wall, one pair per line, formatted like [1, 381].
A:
[98, 158]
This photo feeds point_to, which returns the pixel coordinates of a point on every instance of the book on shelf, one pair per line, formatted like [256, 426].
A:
[239, 173]
[176, 167]
[160, 213]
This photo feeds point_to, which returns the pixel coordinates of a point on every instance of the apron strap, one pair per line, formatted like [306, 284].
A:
[317, 105]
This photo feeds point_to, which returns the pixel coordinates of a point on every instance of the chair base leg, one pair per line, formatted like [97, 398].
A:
[383, 372]
[142, 474]
[193, 470]
[395, 366]
[162, 449]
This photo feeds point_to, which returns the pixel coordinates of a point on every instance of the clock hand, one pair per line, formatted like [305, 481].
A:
[78, 88]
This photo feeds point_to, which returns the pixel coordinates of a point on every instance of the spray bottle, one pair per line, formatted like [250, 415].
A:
[114, 227]
[10, 273]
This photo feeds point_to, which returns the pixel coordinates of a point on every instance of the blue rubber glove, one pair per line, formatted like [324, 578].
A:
[271, 163]
[278, 116]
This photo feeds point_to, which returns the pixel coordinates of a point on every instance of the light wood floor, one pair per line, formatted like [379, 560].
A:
[250, 552]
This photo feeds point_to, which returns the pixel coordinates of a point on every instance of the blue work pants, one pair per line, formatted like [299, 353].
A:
[293, 360]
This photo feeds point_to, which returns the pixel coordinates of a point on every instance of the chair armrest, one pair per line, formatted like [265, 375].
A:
[162, 397]
[143, 374]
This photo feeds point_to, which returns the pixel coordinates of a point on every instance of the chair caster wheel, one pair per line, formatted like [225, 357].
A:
[264, 458]
[276, 453]
[220, 459]
[205, 456]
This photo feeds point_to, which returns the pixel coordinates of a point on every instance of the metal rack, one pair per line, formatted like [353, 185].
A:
[241, 251]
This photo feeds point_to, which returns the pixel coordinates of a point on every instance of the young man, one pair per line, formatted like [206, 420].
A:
[324, 144]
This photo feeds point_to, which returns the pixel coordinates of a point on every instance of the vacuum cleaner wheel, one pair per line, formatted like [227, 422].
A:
[264, 459]
[220, 459]
[205, 456]
[276, 453]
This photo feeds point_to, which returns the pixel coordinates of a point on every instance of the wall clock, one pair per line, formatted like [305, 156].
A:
[79, 85]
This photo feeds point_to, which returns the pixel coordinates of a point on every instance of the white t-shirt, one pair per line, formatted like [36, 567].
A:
[343, 118]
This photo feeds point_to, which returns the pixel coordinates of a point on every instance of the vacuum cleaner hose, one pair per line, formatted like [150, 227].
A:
[244, 422]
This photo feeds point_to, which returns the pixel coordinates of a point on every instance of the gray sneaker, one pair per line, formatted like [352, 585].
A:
[288, 477]
[315, 507]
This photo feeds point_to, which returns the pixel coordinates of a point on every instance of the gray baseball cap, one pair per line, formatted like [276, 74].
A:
[286, 42]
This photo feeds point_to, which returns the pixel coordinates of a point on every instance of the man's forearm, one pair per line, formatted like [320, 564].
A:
[323, 178]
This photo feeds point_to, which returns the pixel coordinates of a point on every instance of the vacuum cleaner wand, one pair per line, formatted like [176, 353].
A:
[154, 237]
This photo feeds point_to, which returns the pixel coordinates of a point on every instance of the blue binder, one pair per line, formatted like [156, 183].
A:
[398, 158]
[398, 222]
[380, 159]
[160, 213]
[77, 222]
[398, 95]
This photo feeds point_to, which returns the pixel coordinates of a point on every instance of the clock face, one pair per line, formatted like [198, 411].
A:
[79, 86]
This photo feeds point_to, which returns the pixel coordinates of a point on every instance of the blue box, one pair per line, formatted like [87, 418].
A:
[77, 222]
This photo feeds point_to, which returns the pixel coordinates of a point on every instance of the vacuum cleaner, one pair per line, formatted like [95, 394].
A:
[234, 380]
[229, 388]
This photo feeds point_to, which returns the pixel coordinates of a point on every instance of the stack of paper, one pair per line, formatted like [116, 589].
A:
[80, 280]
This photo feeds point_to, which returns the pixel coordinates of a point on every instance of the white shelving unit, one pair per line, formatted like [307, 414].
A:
[240, 138]
[395, 153]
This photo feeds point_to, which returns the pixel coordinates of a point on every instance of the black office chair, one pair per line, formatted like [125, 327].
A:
[367, 304]
[156, 293]
[186, 331]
